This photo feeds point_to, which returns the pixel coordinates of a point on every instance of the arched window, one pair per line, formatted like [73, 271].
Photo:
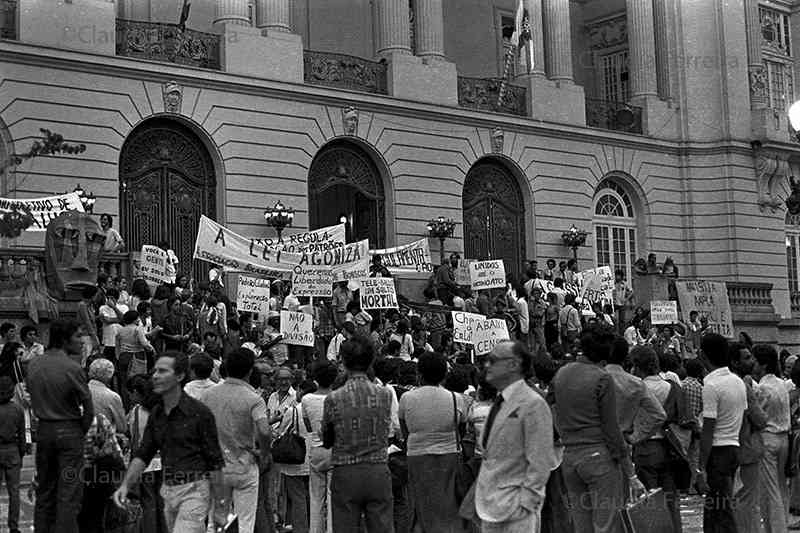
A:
[792, 251]
[614, 227]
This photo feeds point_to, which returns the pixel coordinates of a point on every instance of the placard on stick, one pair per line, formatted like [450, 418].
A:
[297, 328]
[378, 293]
[710, 300]
[487, 274]
[488, 334]
[252, 295]
[663, 312]
[312, 281]
[153, 265]
[464, 325]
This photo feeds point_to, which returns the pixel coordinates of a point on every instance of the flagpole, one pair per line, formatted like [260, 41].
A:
[506, 70]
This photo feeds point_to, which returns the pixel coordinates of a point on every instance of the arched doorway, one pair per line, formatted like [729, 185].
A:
[494, 216]
[167, 181]
[344, 183]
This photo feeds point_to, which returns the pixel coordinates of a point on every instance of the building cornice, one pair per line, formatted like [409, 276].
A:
[143, 70]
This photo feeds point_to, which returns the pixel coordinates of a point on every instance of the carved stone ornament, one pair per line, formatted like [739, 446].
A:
[607, 33]
[497, 141]
[173, 97]
[758, 81]
[771, 170]
[73, 243]
[793, 200]
[350, 120]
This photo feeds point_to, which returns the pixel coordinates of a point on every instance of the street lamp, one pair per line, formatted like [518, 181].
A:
[87, 199]
[574, 239]
[441, 228]
[794, 118]
[279, 217]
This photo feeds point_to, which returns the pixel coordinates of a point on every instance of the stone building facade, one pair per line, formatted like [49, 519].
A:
[658, 127]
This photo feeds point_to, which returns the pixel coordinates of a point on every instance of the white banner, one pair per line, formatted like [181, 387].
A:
[413, 257]
[312, 281]
[378, 293]
[217, 244]
[489, 333]
[318, 240]
[464, 325]
[43, 209]
[487, 274]
[252, 295]
[297, 328]
[350, 263]
[710, 300]
[153, 265]
[663, 312]
[598, 285]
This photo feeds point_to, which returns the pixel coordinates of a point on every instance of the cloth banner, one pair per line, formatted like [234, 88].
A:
[252, 295]
[433, 317]
[663, 312]
[575, 288]
[597, 284]
[318, 240]
[487, 274]
[464, 325]
[413, 257]
[297, 328]
[378, 293]
[312, 281]
[349, 263]
[710, 300]
[217, 244]
[43, 209]
[153, 265]
[488, 333]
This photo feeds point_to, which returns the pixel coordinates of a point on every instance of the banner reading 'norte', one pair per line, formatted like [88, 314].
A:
[43, 209]
[412, 257]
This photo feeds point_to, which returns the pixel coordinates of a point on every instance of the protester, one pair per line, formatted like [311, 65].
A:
[30, 344]
[12, 449]
[342, 295]
[8, 332]
[295, 477]
[110, 316]
[279, 404]
[133, 352]
[348, 330]
[200, 368]
[87, 320]
[106, 402]
[10, 357]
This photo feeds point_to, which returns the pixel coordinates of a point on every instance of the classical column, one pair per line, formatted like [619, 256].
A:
[536, 54]
[641, 48]
[232, 12]
[273, 15]
[430, 29]
[755, 66]
[662, 47]
[393, 28]
[557, 38]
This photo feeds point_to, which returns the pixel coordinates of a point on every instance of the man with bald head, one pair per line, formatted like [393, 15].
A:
[518, 443]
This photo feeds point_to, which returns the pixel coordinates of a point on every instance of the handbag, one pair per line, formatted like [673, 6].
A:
[290, 448]
[137, 366]
[467, 467]
[648, 514]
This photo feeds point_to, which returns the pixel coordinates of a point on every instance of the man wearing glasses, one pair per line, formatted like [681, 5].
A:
[518, 444]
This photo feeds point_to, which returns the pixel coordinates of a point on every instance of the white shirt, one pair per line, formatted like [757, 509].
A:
[633, 337]
[110, 330]
[197, 387]
[725, 400]
[291, 303]
[333, 347]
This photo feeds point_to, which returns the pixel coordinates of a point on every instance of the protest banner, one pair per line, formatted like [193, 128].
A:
[312, 281]
[413, 257]
[464, 325]
[378, 293]
[297, 328]
[252, 295]
[487, 274]
[318, 240]
[462, 272]
[43, 209]
[663, 312]
[153, 265]
[217, 244]
[710, 300]
[350, 263]
[488, 333]
[433, 317]
[597, 285]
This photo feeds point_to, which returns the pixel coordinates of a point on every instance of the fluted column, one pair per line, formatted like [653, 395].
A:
[536, 53]
[393, 28]
[662, 47]
[232, 12]
[641, 48]
[755, 66]
[273, 15]
[557, 39]
[430, 29]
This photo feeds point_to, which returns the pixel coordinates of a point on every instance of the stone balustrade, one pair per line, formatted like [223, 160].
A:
[484, 94]
[750, 296]
[344, 72]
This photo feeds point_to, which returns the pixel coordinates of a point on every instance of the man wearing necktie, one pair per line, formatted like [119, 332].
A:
[518, 446]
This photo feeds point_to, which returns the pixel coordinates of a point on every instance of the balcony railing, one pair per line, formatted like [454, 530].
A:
[166, 42]
[483, 94]
[753, 297]
[344, 72]
[8, 19]
[611, 115]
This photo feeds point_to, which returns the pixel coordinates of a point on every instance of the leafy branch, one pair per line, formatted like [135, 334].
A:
[49, 144]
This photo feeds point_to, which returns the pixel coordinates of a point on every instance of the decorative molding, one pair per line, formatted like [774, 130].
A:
[608, 32]
[772, 168]
[350, 120]
[173, 97]
[498, 139]
[484, 94]
[758, 82]
[344, 72]
[168, 42]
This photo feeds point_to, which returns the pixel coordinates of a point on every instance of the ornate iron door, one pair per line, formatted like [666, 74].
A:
[167, 181]
[494, 222]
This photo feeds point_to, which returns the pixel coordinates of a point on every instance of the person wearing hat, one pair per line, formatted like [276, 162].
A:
[12, 448]
[106, 402]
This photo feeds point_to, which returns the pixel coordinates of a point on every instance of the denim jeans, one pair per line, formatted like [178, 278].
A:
[774, 497]
[59, 463]
[362, 488]
[319, 493]
[10, 469]
[718, 509]
[656, 468]
[297, 502]
[265, 521]
[594, 483]
[747, 498]
[240, 488]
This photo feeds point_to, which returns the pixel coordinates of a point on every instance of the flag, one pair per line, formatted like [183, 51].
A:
[522, 33]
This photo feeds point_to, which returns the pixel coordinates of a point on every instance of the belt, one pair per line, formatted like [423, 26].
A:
[182, 478]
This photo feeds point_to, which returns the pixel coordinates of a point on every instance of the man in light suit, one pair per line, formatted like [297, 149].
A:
[518, 443]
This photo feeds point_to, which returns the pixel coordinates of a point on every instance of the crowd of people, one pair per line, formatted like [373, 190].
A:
[185, 415]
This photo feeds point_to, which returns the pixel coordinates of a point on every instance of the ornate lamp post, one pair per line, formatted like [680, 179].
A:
[441, 228]
[574, 239]
[87, 199]
[279, 216]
